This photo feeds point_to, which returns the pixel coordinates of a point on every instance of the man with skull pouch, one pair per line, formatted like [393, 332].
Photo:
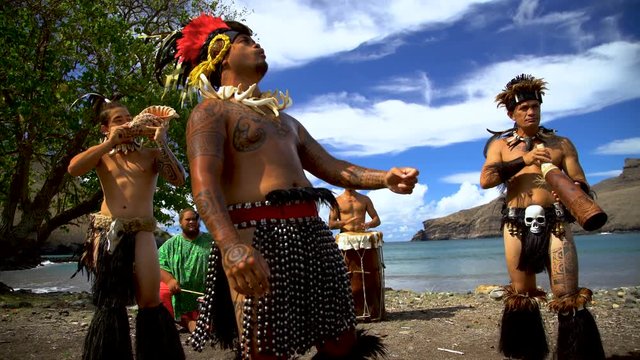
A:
[536, 231]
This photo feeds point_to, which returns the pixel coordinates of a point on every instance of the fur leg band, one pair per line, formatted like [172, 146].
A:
[108, 335]
[156, 335]
[578, 335]
[365, 347]
[522, 334]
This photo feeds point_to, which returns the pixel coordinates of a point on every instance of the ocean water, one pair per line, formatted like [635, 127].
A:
[605, 261]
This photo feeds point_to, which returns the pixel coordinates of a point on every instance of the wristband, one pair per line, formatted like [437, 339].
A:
[507, 169]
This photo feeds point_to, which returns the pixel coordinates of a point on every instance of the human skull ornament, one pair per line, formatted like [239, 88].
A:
[534, 218]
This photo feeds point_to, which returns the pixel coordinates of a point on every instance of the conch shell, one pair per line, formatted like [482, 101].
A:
[152, 116]
[160, 111]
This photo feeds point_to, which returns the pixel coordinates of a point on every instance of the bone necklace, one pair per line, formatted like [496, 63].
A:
[515, 139]
[275, 101]
[125, 148]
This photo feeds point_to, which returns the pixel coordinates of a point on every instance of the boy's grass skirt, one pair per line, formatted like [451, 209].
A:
[156, 335]
[108, 257]
[108, 335]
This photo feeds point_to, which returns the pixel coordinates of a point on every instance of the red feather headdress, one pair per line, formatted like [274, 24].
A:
[194, 36]
[196, 50]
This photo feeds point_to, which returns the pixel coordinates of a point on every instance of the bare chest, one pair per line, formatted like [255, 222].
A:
[136, 165]
[553, 146]
[250, 133]
[350, 205]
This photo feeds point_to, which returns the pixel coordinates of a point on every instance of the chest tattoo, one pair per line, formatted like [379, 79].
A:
[244, 141]
[250, 132]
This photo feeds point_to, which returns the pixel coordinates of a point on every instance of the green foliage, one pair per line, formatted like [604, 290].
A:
[56, 51]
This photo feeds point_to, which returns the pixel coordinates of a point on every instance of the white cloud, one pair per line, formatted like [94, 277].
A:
[385, 48]
[569, 24]
[468, 196]
[472, 177]
[419, 83]
[610, 29]
[578, 83]
[294, 32]
[629, 146]
[402, 215]
[526, 11]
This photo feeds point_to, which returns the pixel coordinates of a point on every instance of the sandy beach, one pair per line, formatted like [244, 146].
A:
[419, 326]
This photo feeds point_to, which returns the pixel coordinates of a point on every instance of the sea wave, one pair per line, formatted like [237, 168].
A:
[49, 289]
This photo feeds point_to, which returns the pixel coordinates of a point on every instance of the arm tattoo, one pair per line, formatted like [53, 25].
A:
[168, 165]
[238, 305]
[214, 215]
[363, 177]
[208, 205]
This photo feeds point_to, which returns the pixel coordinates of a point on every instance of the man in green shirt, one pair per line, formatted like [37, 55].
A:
[183, 266]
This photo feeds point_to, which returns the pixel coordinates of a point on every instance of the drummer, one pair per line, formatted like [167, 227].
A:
[351, 217]
[536, 230]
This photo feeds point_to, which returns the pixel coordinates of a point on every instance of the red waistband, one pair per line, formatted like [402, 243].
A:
[264, 212]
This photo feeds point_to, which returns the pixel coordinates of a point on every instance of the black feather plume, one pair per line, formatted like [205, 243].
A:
[166, 54]
[321, 196]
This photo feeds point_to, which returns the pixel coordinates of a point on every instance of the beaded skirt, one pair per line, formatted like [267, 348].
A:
[310, 299]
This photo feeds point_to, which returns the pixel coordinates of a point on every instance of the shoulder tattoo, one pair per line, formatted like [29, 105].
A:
[206, 131]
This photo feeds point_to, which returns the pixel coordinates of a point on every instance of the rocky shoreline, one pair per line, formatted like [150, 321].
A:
[419, 325]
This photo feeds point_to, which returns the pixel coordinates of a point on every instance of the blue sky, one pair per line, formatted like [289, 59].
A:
[411, 83]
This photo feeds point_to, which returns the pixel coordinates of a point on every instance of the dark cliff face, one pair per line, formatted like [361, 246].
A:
[619, 197]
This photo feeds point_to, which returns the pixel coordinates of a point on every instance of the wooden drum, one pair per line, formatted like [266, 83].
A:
[362, 253]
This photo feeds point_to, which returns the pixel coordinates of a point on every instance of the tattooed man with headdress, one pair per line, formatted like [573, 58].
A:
[120, 252]
[247, 157]
[536, 231]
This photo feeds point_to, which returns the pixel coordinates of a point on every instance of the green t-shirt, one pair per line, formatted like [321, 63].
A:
[187, 262]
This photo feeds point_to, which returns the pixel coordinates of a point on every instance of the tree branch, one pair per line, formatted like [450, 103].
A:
[67, 216]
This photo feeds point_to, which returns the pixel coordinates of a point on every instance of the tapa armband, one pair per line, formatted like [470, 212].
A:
[509, 168]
